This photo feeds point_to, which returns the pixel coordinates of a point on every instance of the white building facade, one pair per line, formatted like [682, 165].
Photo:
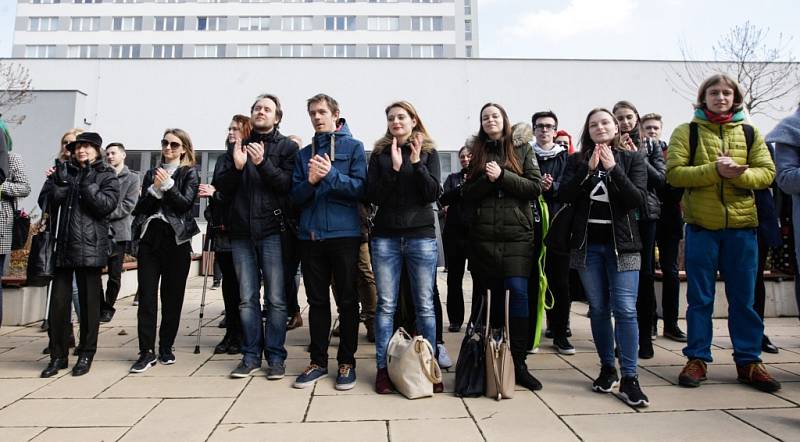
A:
[245, 28]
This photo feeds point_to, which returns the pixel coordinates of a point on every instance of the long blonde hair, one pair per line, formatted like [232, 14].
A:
[384, 142]
[187, 158]
[63, 153]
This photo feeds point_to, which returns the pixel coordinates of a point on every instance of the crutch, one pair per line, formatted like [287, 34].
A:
[46, 321]
[206, 270]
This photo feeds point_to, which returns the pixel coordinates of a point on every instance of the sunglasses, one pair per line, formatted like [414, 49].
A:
[172, 144]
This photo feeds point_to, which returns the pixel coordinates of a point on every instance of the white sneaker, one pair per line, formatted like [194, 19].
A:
[533, 351]
[444, 358]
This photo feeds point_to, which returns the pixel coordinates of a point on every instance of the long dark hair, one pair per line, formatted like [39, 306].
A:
[479, 153]
[587, 144]
[634, 133]
[245, 127]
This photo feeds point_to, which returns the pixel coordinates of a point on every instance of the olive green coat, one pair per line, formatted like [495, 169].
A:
[501, 229]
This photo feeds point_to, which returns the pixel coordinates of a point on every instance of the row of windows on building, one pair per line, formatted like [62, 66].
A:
[467, 6]
[248, 50]
[255, 23]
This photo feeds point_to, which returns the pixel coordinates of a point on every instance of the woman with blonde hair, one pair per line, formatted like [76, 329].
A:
[164, 227]
[403, 181]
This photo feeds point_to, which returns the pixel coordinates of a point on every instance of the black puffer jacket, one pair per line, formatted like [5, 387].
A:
[501, 231]
[176, 203]
[86, 196]
[259, 194]
[403, 198]
[218, 214]
[626, 184]
[458, 213]
[656, 177]
[554, 166]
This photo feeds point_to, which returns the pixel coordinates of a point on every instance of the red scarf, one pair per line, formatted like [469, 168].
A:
[718, 118]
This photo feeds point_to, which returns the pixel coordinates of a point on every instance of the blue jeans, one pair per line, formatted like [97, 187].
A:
[610, 290]
[252, 260]
[388, 256]
[734, 252]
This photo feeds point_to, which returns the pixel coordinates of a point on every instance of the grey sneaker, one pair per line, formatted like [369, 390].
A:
[244, 370]
[444, 359]
[275, 372]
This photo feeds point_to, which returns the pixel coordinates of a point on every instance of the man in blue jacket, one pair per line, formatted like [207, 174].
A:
[328, 182]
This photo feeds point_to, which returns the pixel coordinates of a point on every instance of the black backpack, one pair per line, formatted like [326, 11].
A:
[749, 137]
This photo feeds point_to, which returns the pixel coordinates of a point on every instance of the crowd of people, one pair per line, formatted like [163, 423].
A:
[374, 230]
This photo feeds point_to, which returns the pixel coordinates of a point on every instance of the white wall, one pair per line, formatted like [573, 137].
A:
[134, 100]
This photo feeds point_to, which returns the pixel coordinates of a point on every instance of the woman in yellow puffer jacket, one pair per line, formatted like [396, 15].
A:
[720, 212]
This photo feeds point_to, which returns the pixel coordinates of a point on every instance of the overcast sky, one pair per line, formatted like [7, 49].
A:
[596, 29]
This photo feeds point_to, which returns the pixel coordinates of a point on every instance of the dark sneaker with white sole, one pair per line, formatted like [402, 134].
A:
[346, 378]
[245, 370]
[631, 392]
[607, 380]
[310, 376]
[276, 371]
[146, 360]
[166, 356]
[563, 346]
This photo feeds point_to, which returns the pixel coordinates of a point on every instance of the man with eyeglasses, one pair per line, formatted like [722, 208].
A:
[552, 160]
[669, 232]
[258, 176]
[120, 220]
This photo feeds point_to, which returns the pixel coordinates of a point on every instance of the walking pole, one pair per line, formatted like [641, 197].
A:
[46, 321]
[205, 284]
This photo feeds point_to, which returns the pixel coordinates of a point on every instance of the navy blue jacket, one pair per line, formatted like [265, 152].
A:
[329, 209]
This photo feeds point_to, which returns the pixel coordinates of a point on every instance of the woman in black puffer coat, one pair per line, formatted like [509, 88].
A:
[503, 181]
[164, 227]
[80, 194]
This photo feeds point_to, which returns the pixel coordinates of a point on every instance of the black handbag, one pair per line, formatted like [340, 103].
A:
[471, 365]
[560, 230]
[20, 228]
[42, 257]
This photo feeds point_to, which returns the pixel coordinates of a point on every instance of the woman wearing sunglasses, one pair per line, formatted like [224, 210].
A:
[164, 226]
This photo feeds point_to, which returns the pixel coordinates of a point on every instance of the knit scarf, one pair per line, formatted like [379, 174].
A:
[547, 154]
[711, 117]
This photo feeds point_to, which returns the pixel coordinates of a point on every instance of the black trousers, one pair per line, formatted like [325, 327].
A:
[645, 302]
[321, 261]
[668, 245]
[161, 259]
[114, 282]
[455, 252]
[90, 294]
[557, 271]
[230, 294]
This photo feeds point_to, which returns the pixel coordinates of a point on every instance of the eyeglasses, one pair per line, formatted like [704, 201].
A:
[544, 127]
[171, 144]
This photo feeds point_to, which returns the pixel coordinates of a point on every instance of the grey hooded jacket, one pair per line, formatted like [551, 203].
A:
[121, 218]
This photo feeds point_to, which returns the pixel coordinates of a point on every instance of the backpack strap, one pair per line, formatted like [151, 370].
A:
[692, 142]
[749, 137]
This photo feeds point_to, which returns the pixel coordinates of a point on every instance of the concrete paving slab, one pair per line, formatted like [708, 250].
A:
[173, 387]
[464, 430]
[102, 376]
[22, 434]
[383, 407]
[302, 432]
[517, 418]
[99, 434]
[782, 424]
[13, 389]
[75, 412]
[570, 392]
[180, 419]
[711, 397]
[674, 426]
[263, 401]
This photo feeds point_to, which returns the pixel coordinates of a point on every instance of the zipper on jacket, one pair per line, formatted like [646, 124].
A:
[722, 183]
[586, 226]
[614, 234]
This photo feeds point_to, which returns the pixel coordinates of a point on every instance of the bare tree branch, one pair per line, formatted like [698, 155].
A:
[768, 73]
[15, 85]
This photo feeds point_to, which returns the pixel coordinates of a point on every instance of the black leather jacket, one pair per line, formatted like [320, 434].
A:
[176, 203]
[84, 197]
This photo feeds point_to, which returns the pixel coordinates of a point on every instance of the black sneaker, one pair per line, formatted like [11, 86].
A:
[563, 346]
[631, 392]
[106, 316]
[607, 380]
[166, 357]
[146, 360]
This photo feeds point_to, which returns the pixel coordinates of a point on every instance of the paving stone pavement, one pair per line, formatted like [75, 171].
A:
[194, 400]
